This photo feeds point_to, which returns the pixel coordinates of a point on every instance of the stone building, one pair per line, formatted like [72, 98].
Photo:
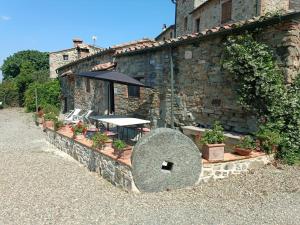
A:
[167, 33]
[95, 95]
[63, 57]
[203, 91]
[194, 16]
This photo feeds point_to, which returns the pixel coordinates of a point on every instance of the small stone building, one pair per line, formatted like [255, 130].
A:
[198, 15]
[167, 33]
[63, 57]
[203, 91]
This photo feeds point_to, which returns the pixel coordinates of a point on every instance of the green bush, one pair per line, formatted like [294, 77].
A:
[9, 93]
[58, 124]
[268, 138]
[261, 90]
[247, 142]
[48, 94]
[119, 145]
[99, 140]
[214, 136]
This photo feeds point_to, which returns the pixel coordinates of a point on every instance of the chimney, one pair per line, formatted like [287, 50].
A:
[76, 42]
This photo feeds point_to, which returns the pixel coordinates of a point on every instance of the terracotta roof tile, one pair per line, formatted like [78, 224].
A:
[104, 66]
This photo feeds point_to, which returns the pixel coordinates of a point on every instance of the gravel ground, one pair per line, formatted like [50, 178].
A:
[41, 185]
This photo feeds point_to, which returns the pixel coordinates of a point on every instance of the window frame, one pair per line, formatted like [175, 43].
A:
[87, 85]
[135, 89]
[226, 18]
[197, 25]
[65, 57]
[185, 23]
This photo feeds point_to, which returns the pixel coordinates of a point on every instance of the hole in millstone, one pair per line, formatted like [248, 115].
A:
[167, 167]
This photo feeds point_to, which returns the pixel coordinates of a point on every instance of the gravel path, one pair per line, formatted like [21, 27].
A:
[41, 185]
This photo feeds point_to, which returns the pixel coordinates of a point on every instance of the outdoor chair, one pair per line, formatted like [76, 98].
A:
[83, 118]
[70, 117]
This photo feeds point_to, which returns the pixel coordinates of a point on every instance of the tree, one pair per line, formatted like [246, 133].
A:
[48, 94]
[9, 93]
[12, 65]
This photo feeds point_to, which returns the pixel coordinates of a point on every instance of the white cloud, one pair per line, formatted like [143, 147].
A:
[5, 18]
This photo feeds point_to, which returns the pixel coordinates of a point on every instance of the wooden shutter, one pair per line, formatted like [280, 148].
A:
[226, 11]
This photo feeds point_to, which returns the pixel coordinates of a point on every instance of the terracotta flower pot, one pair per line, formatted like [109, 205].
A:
[213, 152]
[49, 123]
[243, 151]
[108, 144]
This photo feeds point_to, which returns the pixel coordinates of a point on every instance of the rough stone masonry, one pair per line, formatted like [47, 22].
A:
[204, 91]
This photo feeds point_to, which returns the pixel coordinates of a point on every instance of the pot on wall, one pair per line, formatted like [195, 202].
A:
[108, 144]
[49, 123]
[243, 151]
[213, 152]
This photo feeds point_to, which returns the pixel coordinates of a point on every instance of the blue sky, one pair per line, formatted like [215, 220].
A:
[50, 25]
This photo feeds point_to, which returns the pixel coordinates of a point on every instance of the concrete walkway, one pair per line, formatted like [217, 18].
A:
[41, 185]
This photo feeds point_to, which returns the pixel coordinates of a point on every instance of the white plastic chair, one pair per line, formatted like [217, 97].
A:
[70, 117]
[84, 117]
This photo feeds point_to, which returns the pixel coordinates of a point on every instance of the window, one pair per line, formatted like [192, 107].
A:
[87, 85]
[171, 35]
[226, 11]
[185, 23]
[133, 91]
[197, 25]
[65, 57]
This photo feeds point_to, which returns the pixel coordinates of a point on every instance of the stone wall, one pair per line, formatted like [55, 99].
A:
[56, 59]
[75, 91]
[204, 91]
[96, 99]
[121, 175]
[209, 15]
[166, 34]
[115, 172]
[68, 89]
[273, 6]
[295, 4]
[285, 40]
[210, 12]
[184, 7]
[216, 171]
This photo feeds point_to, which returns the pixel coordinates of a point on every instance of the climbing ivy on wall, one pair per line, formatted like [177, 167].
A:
[262, 91]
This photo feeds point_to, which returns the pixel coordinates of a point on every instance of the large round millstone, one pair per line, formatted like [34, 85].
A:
[165, 159]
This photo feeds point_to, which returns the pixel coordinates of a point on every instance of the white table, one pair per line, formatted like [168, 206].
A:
[121, 122]
[124, 121]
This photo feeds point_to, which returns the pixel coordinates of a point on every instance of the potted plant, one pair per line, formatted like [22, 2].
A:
[213, 143]
[268, 139]
[50, 119]
[78, 130]
[246, 146]
[58, 124]
[119, 147]
[100, 140]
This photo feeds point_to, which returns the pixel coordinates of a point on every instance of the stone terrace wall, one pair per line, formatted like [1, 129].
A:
[115, 172]
[204, 92]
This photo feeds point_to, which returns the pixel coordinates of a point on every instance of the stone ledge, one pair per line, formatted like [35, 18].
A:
[117, 172]
[220, 170]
